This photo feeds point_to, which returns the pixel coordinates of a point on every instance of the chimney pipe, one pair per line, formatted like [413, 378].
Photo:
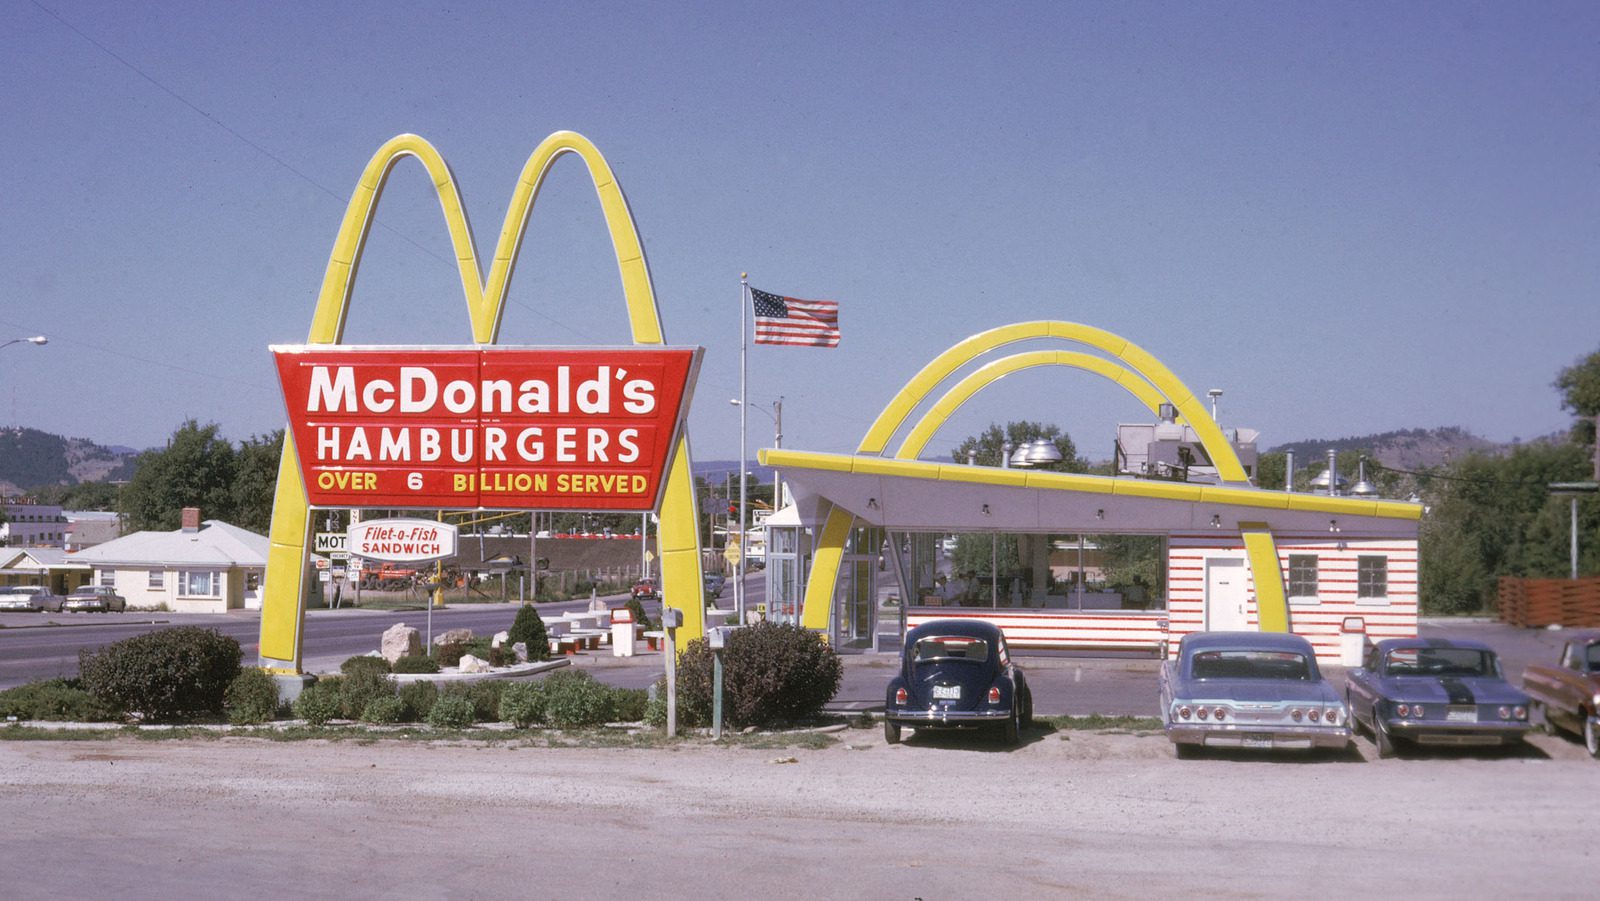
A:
[1288, 472]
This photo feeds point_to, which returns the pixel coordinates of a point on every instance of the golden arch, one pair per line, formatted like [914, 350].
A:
[1145, 376]
[283, 607]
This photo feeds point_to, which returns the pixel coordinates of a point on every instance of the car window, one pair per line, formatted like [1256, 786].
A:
[952, 647]
[1240, 664]
[1592, 657]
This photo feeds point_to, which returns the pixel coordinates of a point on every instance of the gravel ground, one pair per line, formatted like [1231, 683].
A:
[1069, 814]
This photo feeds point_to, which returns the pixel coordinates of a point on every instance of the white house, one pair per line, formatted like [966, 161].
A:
[203, 567]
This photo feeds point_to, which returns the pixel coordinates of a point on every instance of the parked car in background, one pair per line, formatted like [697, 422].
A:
[646, 590]
[957, 673]
[1251, 690]
[714, 585]
[30, 597]
[99, 598]
[1567, 695]
[1434, 691]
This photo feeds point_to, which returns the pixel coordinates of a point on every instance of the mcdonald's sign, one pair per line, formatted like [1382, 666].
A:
[495, 427]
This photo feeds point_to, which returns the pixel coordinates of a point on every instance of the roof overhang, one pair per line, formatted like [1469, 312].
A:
[918, 495]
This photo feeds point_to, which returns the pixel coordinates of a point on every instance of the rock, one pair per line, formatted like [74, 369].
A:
[500, 638]
[400, 640]
[453, 636]
[471, 664]
[521, 650]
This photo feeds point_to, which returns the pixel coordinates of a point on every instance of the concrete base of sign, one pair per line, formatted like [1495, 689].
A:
[290, 685]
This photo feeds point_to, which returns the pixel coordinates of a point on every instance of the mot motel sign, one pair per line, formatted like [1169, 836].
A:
[402, 540]
[506, 428]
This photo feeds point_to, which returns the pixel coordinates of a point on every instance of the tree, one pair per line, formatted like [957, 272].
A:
[1579, 385]
[196, 469]
[987, 446]
[255, 482]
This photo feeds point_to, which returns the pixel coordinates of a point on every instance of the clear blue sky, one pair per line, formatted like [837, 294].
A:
[1350, 217]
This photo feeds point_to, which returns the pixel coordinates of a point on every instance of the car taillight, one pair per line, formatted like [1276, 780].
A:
[1504, 712]
[1183, 712]
[1520, 713]
[1333, 716]
[1220, 713]
[994, 694]
[1201, 712]
[900, 696]
[1314, 715]
[1403, 710]
[1296, 714]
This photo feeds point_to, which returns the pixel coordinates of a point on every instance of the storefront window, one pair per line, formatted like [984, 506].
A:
[1372, 577]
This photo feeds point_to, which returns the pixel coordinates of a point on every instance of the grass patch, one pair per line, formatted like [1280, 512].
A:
[1096, 722]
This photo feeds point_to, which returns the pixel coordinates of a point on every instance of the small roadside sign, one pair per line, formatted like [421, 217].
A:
[324, 576]
[320, 562]
[731, 553]
[332, 543]
[354, 564]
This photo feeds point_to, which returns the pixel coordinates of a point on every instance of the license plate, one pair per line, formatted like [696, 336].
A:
[1257, 741]
[1461, 715]
[947, 692]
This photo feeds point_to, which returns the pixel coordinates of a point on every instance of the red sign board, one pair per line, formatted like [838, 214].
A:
[506, 428]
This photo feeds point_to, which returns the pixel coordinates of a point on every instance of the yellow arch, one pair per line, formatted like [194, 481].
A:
[1141, 369]
[283, 608]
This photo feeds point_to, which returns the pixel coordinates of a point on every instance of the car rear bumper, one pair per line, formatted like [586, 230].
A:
[939, 717]
[1266, 738]
[1491, 733]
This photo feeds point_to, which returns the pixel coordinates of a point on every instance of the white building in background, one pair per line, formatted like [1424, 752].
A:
[28, 524]
[202, 567]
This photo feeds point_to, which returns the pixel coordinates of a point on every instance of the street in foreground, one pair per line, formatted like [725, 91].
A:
[1069, 814]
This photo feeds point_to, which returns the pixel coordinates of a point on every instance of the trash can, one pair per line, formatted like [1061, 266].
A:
[622, 632]
[1352, 640]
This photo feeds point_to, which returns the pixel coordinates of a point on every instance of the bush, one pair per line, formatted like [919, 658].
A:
[485, 695]
[573, 698]
[416, 700]
[416, 663]
[771, 674]
[358, 689]
[363, 663]
[479, 647]
[628, 704]
[55, 699]
[251, 698]
[522, 704]
[382, 710]
[655, 708]
[529, 628]
[319, 703]
[449, 654]
[451, 711]
[166, 675]
[637, 608]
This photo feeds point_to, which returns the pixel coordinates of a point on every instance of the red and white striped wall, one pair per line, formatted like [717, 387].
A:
[1110, 630]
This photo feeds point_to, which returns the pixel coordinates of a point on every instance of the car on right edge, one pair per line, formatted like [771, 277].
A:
[1252, 691]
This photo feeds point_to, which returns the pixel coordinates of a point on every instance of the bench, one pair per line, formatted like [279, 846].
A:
[564, 644]
[654, 638]
[590, 638]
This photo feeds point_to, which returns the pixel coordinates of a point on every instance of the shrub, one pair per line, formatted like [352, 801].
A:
[54, 699]
[771, 674]
[449, 653]
[628, 704]
[319, 703]
[251, 698]
[529, 627]
[416, 663]
[485, 695]
[165, 675]
[385, 709]
[358, 689]
[655, 708]
[522, 704]
[573, 698]
[363, 663]
[637, 608]
[451, 711]
[478, 647]
[416, 700]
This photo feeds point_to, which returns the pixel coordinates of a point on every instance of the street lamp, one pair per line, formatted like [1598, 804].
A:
[1574, 490]
[36, 339]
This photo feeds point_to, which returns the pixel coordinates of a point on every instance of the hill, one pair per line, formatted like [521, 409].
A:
[1406, 449]
[30, 458]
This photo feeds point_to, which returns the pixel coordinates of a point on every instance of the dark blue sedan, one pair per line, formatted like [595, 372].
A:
[1434, 691]
[957, 673]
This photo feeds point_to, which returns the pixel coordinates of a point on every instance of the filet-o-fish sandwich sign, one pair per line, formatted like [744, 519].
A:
[486, 427]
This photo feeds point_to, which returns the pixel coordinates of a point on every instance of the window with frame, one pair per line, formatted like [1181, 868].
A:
[197, 584]
[108, 578]
[1372, 577]
[1302, 575]
[158, 579]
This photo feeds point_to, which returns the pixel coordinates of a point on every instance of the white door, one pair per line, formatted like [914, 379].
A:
[1227, 594]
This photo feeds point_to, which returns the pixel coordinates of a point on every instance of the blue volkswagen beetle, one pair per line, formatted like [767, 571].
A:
[1434, 691]
[957, 673]
[1256, 690]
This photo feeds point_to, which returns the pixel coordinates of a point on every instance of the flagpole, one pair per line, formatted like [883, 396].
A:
[744, 331]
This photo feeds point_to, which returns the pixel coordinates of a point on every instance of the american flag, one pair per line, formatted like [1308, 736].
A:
[803, 323]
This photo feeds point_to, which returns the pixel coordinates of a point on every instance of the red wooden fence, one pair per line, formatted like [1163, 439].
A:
[1544, 602]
